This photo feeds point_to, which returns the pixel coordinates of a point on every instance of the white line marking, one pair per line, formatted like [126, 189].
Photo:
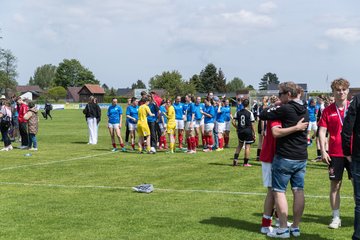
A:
[53, 162]
[156, 189]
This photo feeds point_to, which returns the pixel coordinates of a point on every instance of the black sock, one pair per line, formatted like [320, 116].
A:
[246, 160]
[236, 156]
[318, 152]
[258, 153]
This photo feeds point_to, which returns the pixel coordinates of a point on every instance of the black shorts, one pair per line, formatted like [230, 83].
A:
[246, 136]
[337, 166]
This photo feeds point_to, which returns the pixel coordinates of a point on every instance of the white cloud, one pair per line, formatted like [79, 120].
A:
[344, 34]
[244, 17]
[267, 7]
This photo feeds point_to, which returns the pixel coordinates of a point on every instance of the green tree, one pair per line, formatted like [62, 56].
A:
[172, 82]
[196, 82]
[267, 79]
[57, 93]
[250, 87]
[235, 84]
[71, 73]
[220, 84]
[44, 76]
[139, 84]
[208, 78]
[8, 72]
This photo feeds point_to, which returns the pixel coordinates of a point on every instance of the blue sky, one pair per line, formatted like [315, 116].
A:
[122, 41]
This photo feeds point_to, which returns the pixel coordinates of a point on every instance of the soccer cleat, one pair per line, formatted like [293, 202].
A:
[247, 165]
[123, 149]
[144, 188]
[295, 231]
[4, 149]
[114, 150]
[335, 223]
[279, 233]
[266, 230]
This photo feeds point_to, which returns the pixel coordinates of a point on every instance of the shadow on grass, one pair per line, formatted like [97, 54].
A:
[80, 142]
[248, 226]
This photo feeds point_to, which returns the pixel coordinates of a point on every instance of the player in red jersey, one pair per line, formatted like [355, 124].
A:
[332, 120]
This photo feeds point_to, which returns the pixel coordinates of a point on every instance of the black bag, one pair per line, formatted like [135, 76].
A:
[5, 122]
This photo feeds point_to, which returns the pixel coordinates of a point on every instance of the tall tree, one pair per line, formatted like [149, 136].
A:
[267, 79]
[57, 93]
[220, 84]
[235, 84]
[195, 80]
[44, 76]
[139, 84]
[71, 73]
[8, 72]
[208, 78]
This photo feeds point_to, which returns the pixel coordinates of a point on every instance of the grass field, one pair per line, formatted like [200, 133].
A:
[71, 190]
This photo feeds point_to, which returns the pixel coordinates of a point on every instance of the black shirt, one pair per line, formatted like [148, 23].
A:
[351, 128]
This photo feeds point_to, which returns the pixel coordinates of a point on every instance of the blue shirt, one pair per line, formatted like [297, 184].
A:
[197, 108]
[239, 107]
[209, 110]
[132, 111]
[154, 109]
[162, 110]
[312, 113]
[220, 116]
[179, 110]
[189, 111]
[114, 113]
[227, 113]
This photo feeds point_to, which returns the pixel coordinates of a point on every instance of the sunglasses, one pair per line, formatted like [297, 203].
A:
[281, 93]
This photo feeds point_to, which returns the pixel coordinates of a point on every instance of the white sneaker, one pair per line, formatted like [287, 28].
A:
[335, 223]
[153, 150]
[4, 149]
[10, 147]
[277, 233]
[33, 149]
[23, 147]
[295, 231]
[266, 230]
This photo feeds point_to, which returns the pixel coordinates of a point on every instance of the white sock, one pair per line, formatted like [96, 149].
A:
[266, 216]
[336, 213]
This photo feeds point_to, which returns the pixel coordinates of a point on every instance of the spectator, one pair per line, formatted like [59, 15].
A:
[33, 125]
[23, 108]
[92, 113]
[5, 124]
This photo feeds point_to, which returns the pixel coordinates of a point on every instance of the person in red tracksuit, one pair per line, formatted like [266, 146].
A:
[23, 108]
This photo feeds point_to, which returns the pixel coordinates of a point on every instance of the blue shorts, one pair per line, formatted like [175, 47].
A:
[285, 170]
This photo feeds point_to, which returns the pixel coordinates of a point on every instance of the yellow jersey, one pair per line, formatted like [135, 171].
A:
[171, 115]
[144, 111]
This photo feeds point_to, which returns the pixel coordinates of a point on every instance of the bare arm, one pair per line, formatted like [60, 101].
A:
[322, 138]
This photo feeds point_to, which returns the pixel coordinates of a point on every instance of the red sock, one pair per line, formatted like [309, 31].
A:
[193, 144]
[164, 142]
[133, 146]
[204, 140]
[265, 222]
[180, 140]
[221, 142]
[196, 141]
[188, 141]
[114, 145]
[226, 140]
[122, 145]
[210, 141]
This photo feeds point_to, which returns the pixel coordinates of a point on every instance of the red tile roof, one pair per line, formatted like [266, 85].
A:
[94, 89]
[73, 93]
[24, 89]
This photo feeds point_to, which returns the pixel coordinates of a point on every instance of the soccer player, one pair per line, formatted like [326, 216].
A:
[209, 113]
[179, 118]
[189, 127]
[220, 123]
[143, 127]
[244, 123]
[199, 121]
[228, 117]
[132, 115]
[261, 126]
[312, 124]
[273, 131]
[152, 122]
[162, 125]
[114, 114]
[351, 136]
[289, 163]
[332, 122]
[171, 124]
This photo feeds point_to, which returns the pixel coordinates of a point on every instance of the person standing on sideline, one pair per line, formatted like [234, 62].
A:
[261, 126]
[143, 127]
[127, 131]
[209, 114]
[312, 124]
[171, 124]
[5, 124]
[114, 114]
[332, 122]
[179, 118]
[199, 120]
[189, 126]
[23, 108]
[289, 163]
[33, 125]
[153, 124]
[228, 118]
[243, 121]
[162, 124]
[48, 107]
[92, 113]
[351, 137]
[132, 117]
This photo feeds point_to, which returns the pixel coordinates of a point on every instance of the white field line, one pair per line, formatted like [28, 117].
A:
[54, 162]
[49, 185]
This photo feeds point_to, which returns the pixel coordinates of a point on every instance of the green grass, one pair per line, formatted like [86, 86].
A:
[71, 190]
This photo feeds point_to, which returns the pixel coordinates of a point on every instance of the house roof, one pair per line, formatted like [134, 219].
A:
[93, 89]
[125, 92]
[73, 92]
[34, 88]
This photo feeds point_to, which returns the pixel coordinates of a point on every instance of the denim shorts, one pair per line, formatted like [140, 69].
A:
[285, 170]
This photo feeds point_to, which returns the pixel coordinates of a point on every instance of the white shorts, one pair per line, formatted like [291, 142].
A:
[312, 126]
[227, 126]
[209, 127]
[266, 174]
[113, 125]
[187, 126]
[162, 127]
[132, 126]
[180, 124]
[219, 127]
[199, 123]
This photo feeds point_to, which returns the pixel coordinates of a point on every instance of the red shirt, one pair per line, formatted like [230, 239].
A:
[330, 120]
[269, 142]
[22, 111]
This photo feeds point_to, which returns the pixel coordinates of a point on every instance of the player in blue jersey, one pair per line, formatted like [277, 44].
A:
[199, 120]
[114, 114]
[228, 118]
[162, 125]
[132, 116]
[209, 119]
[179, 119]
[189, 127]
[220, 123]
[312, 120]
